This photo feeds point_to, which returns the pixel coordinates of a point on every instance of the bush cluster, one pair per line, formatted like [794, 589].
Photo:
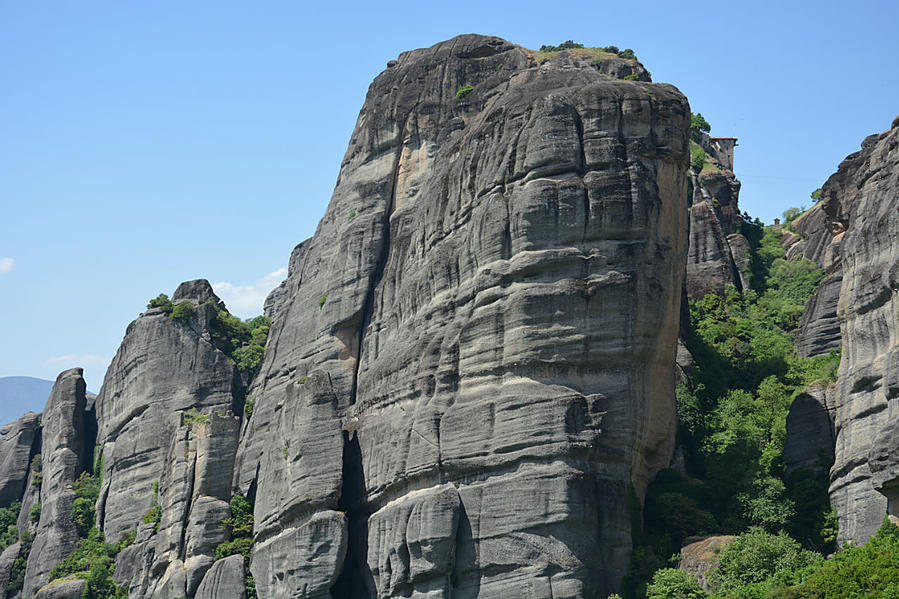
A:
[240, 529]
[732, 412]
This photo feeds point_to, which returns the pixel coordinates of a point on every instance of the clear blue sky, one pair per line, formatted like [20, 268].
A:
[142, 144]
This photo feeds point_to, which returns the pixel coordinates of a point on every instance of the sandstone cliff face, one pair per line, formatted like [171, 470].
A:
[718, 254]
[163, 368]
[17, 442]
[862, 196]
[461, 383]
[67, 453]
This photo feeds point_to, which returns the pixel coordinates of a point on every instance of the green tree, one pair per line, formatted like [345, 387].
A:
[670, 583]
[698, 125]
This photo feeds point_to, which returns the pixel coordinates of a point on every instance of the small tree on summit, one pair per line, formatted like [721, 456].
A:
[698, 124]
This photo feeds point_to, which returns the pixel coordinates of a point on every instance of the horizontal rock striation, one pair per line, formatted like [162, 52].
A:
[718, 253]
[163, 368]
[17, 443]
[862, 195]
[460, 389]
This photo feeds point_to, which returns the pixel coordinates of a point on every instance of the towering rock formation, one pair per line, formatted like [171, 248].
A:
[468, 381]
[862, 197]
[818, 235]
[17, 440]
[718, 252]
[163, 368]
[67, 447]
[462, 384]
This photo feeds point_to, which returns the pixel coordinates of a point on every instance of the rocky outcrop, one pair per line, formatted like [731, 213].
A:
[699, 556]
[862, 197]
[462, 372]
[163, 368]
[718, 253]
[193, 496]
[225, 580]
[67, 450]
[62, 589]
[18, 441]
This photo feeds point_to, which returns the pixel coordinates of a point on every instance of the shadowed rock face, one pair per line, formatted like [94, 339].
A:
[462, 382]
[862, 196]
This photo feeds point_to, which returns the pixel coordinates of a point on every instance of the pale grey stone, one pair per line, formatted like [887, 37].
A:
[487, 301]
[862, 197]
[224, 580]
[17, 440]
[163, 368]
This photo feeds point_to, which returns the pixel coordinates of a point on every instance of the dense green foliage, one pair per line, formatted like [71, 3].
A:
[9, 534]
[698, 157]
[93, 559]
[241, 340]
[17, 575]
[756, 560]
[240, 529]
[761, 565]
[732, 411]
[161, 301]
[816, 195]
[182, 311]
[87, 489]
[566, 45]
[698, 125]
[37, 467]
[670, 583]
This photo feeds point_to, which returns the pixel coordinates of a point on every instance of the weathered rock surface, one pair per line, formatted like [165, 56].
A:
[710, 266]
[67, 451]
[62, 589]
[487, 302]
[224, 580]
[810, 431]
[819, 328]
[863, 196]
[17, 441]
[163, 368]
[700, 556]
[193, 495]
[718, 254]
[7, 560]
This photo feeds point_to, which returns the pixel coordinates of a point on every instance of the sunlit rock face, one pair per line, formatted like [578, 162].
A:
[863, 198]
[470, 366]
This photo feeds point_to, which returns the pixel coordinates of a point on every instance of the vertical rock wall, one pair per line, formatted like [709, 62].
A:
[863, 194]
[163, 368]
[461, 388]
[67, 453]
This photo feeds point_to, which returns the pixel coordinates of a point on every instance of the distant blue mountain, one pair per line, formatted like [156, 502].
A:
[20, 394]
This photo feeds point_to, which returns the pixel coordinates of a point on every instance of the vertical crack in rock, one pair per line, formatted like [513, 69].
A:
[351, 582]
[384, 254]
[191, 469]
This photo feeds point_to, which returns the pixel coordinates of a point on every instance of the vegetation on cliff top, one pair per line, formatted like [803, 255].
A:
[577, 50]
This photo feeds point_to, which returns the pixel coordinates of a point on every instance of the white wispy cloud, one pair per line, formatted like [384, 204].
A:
[77, 360]
[6, 265]
[247, 300]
